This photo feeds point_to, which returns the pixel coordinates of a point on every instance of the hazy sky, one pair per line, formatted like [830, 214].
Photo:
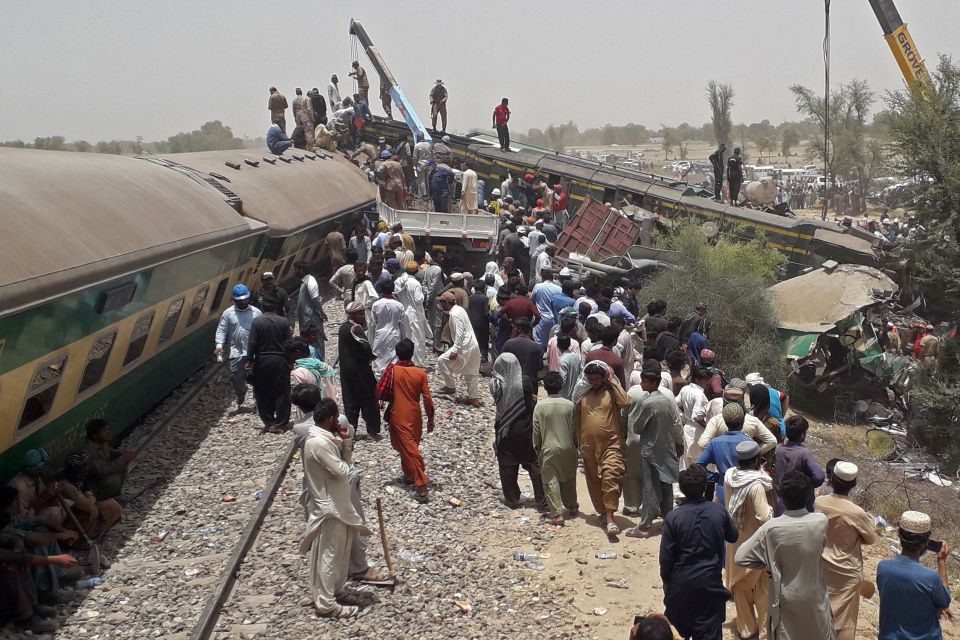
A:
[110, 69]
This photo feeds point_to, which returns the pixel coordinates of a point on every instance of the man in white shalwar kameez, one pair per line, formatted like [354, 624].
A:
[468, 194]
[463, 356]
[332, 519]
[432, 286]
[365, 293]
[409, 293]
[389, 327]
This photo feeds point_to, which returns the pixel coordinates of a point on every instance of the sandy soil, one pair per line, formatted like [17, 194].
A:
[573, 567]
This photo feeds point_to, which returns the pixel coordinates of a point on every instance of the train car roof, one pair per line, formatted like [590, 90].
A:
[74, 219]
[288, 196]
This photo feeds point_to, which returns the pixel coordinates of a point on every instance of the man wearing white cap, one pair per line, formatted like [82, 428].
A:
[789, 547]
[848, 529]
[463, 356]
[748, 497]
[913, 597]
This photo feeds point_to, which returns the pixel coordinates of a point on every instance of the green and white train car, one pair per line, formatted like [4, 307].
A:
[114, 271]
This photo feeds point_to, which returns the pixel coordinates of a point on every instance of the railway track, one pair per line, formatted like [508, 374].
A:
[206, 625]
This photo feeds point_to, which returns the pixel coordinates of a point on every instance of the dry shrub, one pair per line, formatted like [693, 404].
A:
[731, 278]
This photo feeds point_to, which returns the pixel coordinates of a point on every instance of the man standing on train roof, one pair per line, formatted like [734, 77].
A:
[267, 365]
[716, 161]
[333, 93]
[363, 84]
[501, 116]
[438, 105]
[385, 100]
[735, 175]
[469, 195]
[277, 105]
[319, 106]
[309, 304]
[233, 332]
[303, 116]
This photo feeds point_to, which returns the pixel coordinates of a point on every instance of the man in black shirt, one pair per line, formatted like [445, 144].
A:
[268, 368]
[716, 160]
[527, 351]
[735, 175]
[270, 292]
[358, 384]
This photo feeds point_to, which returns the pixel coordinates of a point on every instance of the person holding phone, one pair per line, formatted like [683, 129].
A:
[913, 598]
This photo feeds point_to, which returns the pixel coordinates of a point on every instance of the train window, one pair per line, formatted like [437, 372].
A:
[170, 322]
[97, 361]
[197, 307]
[316, 253]
[43, 390]
[278, 270]
[138, 338]
[218, 297]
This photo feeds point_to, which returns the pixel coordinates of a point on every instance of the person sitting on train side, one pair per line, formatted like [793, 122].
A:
[36, 497]
[277, 140]
[19, 598]
[107, 467]
[270, 292]
[93, 517]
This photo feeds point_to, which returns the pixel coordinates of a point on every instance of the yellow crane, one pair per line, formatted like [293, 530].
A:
[901, 44]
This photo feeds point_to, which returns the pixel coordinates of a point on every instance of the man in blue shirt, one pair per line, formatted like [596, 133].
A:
[913, 597]
[543, 294]
[722, 450]
[233, 334]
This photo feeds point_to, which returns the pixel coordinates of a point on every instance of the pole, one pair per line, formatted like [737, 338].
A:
[826, 108]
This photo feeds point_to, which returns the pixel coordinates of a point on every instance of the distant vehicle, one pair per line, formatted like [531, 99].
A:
[811, 168]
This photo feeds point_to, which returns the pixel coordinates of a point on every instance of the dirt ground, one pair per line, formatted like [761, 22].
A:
[604, 609]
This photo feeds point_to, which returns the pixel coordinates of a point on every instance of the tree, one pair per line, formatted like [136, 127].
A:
[52, 143]
[766, 141]
[16, 144]
[720, 99]
[112, 147]
[729, 277]
[924, 125]
[211, 136]
[82, 146]
[671, 140]
[850, 150]
[788, 140]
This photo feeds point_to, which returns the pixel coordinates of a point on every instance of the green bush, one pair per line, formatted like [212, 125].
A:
[731, 278]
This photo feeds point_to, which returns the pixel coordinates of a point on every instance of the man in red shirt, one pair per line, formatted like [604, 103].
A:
[521, 307]
[501, 116]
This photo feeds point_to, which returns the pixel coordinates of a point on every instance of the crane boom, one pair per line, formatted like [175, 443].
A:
[901, 43]
[386, 77]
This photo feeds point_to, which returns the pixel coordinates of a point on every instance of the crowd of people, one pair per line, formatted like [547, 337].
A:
[711, 463]
[45, 514]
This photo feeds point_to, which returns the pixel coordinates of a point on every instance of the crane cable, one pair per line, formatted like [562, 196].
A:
[826, 108]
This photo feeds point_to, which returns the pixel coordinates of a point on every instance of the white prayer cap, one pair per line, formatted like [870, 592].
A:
[354, 307]
[846, 471]
[915, 522]
[565, 271]
[456, 276]
[495, 192]
[754, 378]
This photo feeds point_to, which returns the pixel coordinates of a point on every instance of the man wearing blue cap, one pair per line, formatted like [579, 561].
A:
[233, 332]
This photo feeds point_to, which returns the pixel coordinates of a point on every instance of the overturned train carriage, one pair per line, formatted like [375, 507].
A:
[805, 243]
[114, 271]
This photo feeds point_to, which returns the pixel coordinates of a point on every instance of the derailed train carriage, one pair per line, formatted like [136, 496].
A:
[806, 243]
[114, 271]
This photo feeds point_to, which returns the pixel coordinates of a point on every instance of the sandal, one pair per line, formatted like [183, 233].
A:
[342, 612]
[370, 576]
[613, 529]
[556, 521]
[446, 391]
[422, 498]
[352, 599]
[637, 532]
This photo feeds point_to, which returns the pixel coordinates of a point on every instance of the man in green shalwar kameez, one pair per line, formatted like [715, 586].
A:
[555, 442]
